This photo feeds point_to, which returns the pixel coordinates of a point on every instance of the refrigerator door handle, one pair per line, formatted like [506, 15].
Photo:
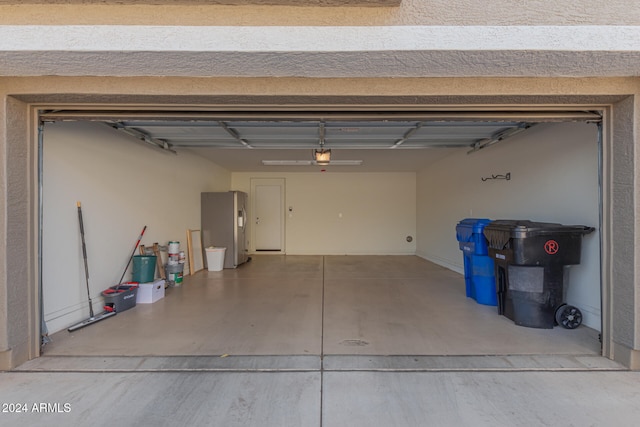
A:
[242, 219]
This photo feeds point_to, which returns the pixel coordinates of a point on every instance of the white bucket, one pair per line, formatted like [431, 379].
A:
[215, 258]
[174, 247]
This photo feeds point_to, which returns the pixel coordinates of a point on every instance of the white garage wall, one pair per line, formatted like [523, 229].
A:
[122, 186]
[378, 211]
[554, 178]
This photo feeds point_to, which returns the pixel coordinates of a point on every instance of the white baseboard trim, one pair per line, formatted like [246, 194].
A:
[443, 263]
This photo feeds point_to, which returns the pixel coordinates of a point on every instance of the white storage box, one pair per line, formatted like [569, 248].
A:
[150, 292]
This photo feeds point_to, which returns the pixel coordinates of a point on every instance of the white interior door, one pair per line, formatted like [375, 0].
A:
[268, 214]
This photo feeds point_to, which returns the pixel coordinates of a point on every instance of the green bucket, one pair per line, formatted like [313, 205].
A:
[144, 268]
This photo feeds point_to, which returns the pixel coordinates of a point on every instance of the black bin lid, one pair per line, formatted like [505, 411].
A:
[500, 231]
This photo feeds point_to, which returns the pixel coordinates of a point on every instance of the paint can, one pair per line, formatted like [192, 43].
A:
[174, 274]
[174, 248]
[173, 259]
[181, 257]
[175, 279]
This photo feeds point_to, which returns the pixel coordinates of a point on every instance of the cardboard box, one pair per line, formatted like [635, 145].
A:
[151, 292]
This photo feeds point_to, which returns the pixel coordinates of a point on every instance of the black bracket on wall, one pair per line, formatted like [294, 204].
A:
[506, 176]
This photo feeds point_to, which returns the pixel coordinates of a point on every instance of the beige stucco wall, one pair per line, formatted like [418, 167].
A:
[4, 341]
[17, 283]
[257, 91]
[409, 12]
[378, 42]
[320, 51]
[17, 302]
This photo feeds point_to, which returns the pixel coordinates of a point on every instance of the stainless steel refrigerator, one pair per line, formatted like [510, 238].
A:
[224, 224]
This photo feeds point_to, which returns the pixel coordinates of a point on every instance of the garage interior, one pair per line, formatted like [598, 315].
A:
[347, 279]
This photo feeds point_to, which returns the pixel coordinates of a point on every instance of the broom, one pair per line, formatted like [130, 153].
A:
[92, 318]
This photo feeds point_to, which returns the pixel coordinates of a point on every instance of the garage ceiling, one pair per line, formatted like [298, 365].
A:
[384, 142]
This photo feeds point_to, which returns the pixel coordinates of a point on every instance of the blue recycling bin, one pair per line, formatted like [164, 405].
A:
[479, 276]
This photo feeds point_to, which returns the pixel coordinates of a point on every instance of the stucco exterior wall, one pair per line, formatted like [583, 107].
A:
[16, 301]
[4, 341]
[386, 56]
[320, 52]
[623, 195]
[408, 12]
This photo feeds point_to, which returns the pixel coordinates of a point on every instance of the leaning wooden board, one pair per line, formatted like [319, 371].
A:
[156, 251]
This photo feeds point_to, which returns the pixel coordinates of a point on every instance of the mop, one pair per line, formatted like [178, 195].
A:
[131, 257]
[92, 318]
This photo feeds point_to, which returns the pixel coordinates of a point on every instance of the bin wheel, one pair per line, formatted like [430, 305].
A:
[568, 316]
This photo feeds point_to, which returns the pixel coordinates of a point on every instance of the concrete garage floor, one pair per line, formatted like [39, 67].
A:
[321, 341]
[312, 305]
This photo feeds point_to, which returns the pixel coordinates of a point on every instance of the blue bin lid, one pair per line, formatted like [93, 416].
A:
[469, 226]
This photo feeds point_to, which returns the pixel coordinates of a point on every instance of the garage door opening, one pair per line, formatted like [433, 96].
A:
[383, 230]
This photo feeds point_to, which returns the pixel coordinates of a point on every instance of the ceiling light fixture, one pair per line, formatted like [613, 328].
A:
[287, 162]
[310, 163]
[322, 156]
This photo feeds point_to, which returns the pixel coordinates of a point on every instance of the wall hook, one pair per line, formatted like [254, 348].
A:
[506, 176]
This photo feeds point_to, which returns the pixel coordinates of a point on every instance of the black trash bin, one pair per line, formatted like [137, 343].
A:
[529, 259]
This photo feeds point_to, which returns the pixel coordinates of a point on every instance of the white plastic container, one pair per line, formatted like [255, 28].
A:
[149, 293]
[215, 258]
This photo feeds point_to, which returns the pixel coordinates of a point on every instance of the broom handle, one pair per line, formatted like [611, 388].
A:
[132, 254]
[84, 256]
